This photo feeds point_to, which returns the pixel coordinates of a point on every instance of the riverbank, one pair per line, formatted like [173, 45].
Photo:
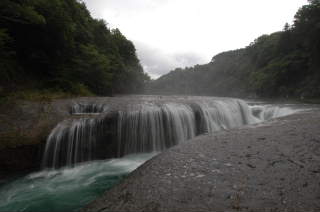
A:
[273, 166]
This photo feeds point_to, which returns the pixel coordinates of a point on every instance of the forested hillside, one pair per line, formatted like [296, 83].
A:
[283, 64]
[56, 45]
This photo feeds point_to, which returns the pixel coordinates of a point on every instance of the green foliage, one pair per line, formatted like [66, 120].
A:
[93, 69]
[56, 44]
[282, 64]
[8, 62]
[36, 95]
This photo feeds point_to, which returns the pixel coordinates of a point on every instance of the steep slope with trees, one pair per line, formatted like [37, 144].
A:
[56, 45]
[283, 64]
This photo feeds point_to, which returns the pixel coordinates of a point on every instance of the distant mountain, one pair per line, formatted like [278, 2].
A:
[282, 64]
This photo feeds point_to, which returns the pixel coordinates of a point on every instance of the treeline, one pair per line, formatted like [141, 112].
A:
[283, 64]
[57, 45]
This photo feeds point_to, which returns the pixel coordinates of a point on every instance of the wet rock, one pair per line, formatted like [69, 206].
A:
[276, 180]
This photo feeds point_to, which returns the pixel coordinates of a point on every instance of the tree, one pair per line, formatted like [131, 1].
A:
[57, 45]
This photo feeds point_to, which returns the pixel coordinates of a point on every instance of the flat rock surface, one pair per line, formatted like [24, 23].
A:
[274, 166]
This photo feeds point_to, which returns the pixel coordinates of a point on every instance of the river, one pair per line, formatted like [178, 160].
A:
[72, 175]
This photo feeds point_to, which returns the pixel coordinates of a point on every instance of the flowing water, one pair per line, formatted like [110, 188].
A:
[67, 189]
[141, 127]
[73, 172]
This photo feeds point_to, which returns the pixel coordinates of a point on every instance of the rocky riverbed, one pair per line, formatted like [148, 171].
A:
[273, 166]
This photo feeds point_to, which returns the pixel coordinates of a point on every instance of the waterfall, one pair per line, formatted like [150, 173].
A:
[155, 128]
[82, 108]
[145, 126]
[266, 112]
[71, 142]
[79, 140]
[222, 114]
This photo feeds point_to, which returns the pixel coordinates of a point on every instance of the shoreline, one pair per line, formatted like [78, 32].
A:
[271, 166]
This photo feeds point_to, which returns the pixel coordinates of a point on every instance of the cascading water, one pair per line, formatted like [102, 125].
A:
[104, 131]
[266, 112]
[143, 127]
[71, 142]
[222, 114]
[154, 128]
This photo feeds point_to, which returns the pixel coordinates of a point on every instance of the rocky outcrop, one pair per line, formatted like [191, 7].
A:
[24, 127]
[274, 166]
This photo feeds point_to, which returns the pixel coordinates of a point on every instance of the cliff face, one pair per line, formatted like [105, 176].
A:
[24, 128]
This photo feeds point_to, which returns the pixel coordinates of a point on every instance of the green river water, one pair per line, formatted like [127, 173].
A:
[67, 189]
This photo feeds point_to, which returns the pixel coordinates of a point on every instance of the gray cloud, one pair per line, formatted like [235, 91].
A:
[156, 62]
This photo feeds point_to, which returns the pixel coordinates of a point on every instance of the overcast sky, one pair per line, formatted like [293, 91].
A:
[178, 33]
